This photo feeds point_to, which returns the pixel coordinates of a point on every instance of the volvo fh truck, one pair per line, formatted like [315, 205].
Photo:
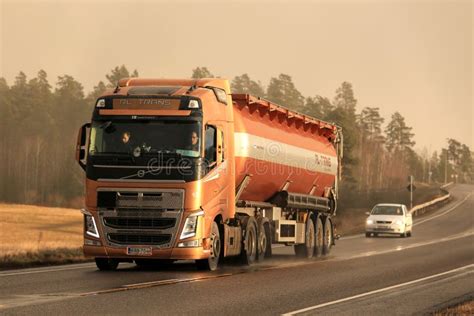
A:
[185, 170]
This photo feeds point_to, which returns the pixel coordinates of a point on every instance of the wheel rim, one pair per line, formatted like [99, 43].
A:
[251, 243]
[262, 243]
[216, 246]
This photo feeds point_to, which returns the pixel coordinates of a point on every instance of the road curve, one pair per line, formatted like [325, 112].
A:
[361, 276]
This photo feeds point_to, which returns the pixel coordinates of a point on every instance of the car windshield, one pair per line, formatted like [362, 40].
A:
[145, 137]
[387, 210]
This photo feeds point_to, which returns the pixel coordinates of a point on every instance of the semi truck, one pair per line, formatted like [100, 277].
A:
[186, 170]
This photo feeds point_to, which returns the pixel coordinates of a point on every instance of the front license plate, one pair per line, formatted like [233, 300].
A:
[139, 251]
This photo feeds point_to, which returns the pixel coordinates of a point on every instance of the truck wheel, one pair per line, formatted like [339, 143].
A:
[327, 236]
[409, 234]
[249, 248]
[211, 263]
[367, 235]
[318, 243]
[307, 250]
[105, 264]
[268, 233]
[261, 243]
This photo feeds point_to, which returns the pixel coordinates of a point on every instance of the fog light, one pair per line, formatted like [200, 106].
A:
[191, 243]
[89, 242]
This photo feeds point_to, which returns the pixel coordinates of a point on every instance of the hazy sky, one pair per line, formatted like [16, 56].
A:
[414, 57]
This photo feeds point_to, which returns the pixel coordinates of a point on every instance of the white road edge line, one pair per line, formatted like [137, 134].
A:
[378, 291]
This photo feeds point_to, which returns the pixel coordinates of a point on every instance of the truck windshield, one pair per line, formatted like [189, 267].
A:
[145, 137]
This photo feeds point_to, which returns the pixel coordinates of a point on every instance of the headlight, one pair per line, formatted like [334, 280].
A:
[193, 104]
[399, 222]
[190, 225]
[100, 103]
[370, 222]
[89, 223]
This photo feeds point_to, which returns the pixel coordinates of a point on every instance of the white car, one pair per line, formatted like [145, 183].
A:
[389, 219]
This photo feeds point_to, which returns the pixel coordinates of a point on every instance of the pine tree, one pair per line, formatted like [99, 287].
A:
[119, 72]
[282, 91]
[399, 135]
[201, 72]
[243, 84]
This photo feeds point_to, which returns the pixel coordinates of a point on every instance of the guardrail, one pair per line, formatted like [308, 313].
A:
[422, 208]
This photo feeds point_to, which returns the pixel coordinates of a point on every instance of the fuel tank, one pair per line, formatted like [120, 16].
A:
[281, 150]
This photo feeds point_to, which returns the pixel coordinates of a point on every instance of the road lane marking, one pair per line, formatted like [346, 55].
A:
[385, 289]
[44, 270]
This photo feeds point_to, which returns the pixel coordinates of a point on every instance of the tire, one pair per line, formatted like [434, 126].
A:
[249, 247]
[403, 235]
[211, 263]
[268, 233]
[376, 235]
[307, 249]
[367, 235]
[409, 234]
[106, 264]
[263, 242]
[318, 243]
[327, 236]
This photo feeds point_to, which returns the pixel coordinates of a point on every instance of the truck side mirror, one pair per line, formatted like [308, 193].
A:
[367, 213]
[81, 148]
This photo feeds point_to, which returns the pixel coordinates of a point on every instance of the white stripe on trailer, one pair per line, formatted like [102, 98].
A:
[252, 146]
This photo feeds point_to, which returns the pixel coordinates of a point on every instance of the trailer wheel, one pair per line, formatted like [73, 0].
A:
[268, 233]
[262, 242]
[249, 248]
[327, 241]
[319, 238]
[105, 264]
[211, 263]
[307, 250]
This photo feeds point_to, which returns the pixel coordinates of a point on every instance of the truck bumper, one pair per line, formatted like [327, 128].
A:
[170, 253]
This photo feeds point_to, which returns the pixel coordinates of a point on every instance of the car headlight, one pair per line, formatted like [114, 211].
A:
[89, 224]
[399, 222]
[369, 221]
[190, 225]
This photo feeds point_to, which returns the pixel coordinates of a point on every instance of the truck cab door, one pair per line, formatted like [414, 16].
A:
[215, 158]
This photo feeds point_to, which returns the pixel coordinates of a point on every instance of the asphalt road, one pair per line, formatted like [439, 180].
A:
[361, 276]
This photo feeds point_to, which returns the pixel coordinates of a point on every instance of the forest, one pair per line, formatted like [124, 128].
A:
[39, 123]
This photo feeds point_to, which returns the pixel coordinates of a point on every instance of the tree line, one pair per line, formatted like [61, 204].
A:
[39, 122]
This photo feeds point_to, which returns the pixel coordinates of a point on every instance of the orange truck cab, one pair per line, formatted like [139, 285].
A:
[184, 170]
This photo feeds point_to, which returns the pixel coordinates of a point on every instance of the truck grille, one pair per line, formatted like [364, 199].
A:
[132, 216]
[133, 239]
[162, 200]
[384, 222]
[139, 223]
